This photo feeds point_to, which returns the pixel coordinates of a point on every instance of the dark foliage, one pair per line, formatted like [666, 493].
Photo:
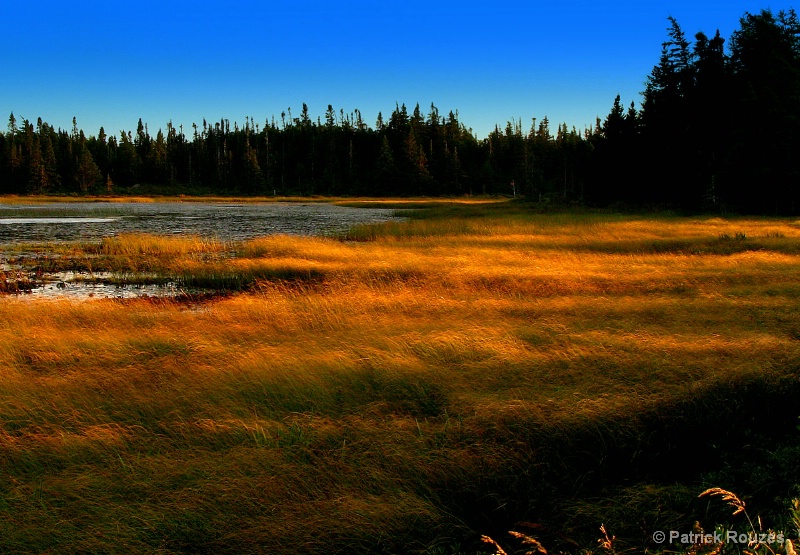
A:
[717, 131]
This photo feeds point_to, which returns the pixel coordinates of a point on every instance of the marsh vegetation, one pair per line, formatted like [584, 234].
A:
[409, 387]
[119, 247]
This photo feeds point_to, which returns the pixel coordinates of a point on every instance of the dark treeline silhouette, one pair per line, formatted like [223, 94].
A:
[402, 155]
[718, 127]
[717, 130]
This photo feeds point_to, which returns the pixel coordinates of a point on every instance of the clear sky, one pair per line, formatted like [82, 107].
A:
[110, 62]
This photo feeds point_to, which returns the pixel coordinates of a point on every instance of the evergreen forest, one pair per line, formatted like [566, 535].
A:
[716, 130]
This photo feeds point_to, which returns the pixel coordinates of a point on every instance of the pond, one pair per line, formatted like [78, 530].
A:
[23, 224]
[91, 221]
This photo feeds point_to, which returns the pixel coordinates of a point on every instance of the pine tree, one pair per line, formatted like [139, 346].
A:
[38, 181]
[614, 124]
[385, 169]
[253, 178]
[87, 174]
[765, 68]
[126, 167]
[49, 160]
[666, 123]
[157, 160]
[710, 109]
[13, 156]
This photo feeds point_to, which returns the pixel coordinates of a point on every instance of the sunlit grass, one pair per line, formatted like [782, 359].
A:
[153, 245]
[395, 394]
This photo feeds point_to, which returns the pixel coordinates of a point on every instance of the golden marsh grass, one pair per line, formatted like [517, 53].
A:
[404, 392]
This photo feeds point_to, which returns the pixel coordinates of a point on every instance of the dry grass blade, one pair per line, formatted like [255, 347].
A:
[490, 541]
[527, 540]
[606, 542]
[731, 498]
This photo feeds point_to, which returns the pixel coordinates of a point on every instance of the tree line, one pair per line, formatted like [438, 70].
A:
[408, 153]
[716, 130]
[718, 127]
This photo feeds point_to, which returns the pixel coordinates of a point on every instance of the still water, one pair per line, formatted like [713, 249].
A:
[90, 222]
[229, 221]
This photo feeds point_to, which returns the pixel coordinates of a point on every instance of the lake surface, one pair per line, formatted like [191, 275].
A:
[92, 221]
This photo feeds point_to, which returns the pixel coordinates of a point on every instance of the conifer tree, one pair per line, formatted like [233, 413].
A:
[49, 160]
[13, 156]
[87, 174]
[765, 68]
[38, 181]
[385, 169]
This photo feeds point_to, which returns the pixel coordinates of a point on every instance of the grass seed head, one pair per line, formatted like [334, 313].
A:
[731, 498]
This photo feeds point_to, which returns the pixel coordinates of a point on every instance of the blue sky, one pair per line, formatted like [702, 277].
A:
[110, 63]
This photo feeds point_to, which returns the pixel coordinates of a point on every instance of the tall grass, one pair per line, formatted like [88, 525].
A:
[409, 393]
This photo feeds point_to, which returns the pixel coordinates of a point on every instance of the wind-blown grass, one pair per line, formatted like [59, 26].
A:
[407, 393]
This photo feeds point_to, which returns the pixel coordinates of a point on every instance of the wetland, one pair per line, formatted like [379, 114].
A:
[38, 240]
[407, 387]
